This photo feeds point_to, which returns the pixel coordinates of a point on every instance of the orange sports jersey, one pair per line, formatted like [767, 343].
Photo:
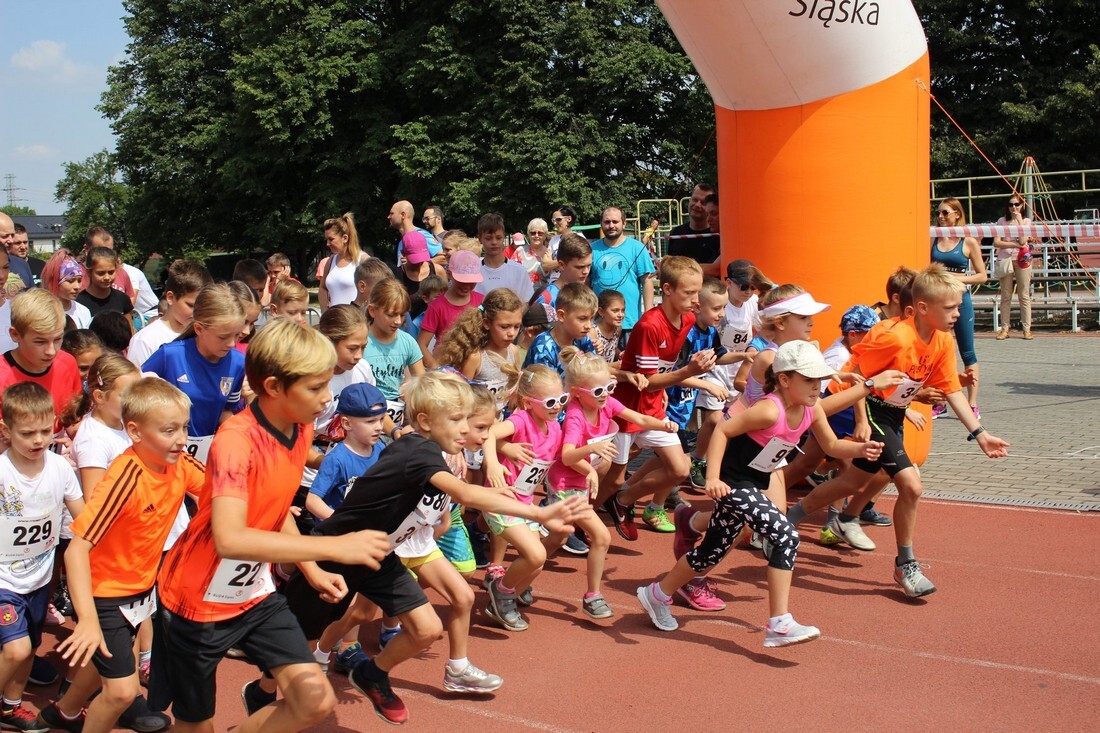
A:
[896, 345]
[128, 518]
[251, 460]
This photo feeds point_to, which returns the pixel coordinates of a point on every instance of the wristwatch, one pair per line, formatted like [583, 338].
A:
[869, 384]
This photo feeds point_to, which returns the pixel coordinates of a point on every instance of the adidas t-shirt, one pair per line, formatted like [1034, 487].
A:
[652, 349]
[212, 386]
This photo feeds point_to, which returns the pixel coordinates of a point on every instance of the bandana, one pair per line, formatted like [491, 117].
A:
[69, 268]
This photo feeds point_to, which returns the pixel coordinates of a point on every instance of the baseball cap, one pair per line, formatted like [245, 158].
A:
[740, 271]
[535, 315]
[859, 318]
[415, 247]
[361, 400]
[802, 304]
[802, 357]
[465, 267]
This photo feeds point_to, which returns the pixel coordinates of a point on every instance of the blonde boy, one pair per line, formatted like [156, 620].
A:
[290, 299]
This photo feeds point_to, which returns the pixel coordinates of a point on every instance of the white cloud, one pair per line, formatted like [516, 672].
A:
[47, 60]
[36, 152]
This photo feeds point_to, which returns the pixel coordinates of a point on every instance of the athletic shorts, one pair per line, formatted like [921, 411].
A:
[23, 614]
[643, 439]
[188, 653]
[843, 423]
[500, 522]
[414, 563]
[562, 495]
[118, 635]
[456, 547]
[887, 425]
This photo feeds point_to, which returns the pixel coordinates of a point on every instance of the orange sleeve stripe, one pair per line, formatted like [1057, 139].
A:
[117, 495]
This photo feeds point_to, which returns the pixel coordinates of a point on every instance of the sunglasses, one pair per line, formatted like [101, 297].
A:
[945, 212]
[1015, 204]
[743, 285]
[551, 402]
[556, 219]
[600, 391]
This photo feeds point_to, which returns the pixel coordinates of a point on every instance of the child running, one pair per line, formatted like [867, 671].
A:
[741, 456]
[607, 331]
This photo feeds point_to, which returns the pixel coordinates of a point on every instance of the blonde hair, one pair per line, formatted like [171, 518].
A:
[470, 332]
[534, 379]
[390, 296]
[144, 395]
[215, 305]
[934, 283]
[776, 294]
[581, 366]
[289, 291]
[576, 297]
[102, 375]
[37, 310]
[482, 400]
[24, 401]
[470, 244]
[345, 225]
[435, 391]
[288, 351]
[341, 321]
[676, 268]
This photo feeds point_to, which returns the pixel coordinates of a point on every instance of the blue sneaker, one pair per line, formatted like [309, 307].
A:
[575, 544]
[386, 635]
[350, 658]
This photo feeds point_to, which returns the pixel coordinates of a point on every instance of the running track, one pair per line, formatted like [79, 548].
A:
[1009, 643]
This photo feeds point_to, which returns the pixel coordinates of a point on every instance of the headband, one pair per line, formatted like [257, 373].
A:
[69, 268]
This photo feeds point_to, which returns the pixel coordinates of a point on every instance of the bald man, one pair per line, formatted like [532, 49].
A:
[401, 218]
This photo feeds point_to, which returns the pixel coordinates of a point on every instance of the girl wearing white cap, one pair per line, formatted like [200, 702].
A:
[741, 457]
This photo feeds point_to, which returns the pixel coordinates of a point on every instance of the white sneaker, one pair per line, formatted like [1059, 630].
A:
[658, 611]
[788, 631]
[909, 576]
[853, 534]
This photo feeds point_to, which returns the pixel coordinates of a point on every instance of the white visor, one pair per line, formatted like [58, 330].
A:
[802, 304]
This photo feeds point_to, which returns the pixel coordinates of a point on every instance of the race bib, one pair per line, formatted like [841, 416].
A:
[737, 340]
[237, 581]
[664, 367]
[531, 477]
[396, 410]
[428, 513]
[199, 448]
[137, 611]
[773, 455]
[595, 460]
[904, 393]
[27, 537]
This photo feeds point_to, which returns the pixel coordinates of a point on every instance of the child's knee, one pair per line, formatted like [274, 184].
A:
[310, 699]
[463, 599]
[17, 651]
[120, 693]
[599, 537]
[424, 630]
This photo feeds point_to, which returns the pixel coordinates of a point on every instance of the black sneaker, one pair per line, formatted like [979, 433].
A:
[575, 544]
[21, 719]
[138, 717]
[52, 718]
[386, 704]
[254, 698]
[478, 543]
[42, 672]
[62, 602]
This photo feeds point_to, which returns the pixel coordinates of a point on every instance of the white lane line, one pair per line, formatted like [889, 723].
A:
[1002, 568]
[496, 715]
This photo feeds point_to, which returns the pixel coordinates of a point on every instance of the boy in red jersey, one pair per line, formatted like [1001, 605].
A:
[215, 588]
[652, 350]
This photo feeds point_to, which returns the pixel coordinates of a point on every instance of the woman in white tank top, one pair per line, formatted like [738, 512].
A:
[338, 279]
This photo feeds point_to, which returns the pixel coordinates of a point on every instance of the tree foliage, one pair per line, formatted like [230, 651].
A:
[94, 194]
[18, 210]
[247, 124]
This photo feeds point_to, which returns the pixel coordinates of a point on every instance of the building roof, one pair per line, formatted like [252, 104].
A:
[42, 227]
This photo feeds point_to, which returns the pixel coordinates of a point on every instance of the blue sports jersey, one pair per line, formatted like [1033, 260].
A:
[681, 400]
[545, 350]
[212, 386]
[758, 342]
[339, 470]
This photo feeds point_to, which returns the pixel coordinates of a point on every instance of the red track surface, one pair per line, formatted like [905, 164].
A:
[1009, 643]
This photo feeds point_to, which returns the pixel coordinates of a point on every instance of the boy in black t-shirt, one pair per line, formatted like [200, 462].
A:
[406, 489]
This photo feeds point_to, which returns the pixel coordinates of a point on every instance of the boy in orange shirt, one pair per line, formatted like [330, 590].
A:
[921, 346]
[215, 588]
[116, 548]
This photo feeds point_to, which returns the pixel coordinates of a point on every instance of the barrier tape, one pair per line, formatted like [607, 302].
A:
[691, 236]
[1005, 231]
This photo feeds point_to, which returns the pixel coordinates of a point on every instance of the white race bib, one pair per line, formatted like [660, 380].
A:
[428, 513]
[137, 611]
[22, 538]
[593, 459]
[773, 455]
[199, 448]
[531, 477]
[664, 367]
[396, 410]
[737, 340]
[904, 393]
[237, 581]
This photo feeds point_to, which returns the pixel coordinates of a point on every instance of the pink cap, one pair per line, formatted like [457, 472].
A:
[465, 267]
[415, 247]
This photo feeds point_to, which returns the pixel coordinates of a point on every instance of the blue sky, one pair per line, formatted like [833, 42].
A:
[54, 56]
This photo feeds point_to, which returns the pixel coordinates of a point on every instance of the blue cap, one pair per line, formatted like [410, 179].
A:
[361, 400]
[858, 318]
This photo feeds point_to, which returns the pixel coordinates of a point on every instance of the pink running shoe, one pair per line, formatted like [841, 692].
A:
[683, 541]
[700, 595]
[53, 616]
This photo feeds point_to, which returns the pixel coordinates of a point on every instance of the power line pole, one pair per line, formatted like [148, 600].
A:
[10, 189]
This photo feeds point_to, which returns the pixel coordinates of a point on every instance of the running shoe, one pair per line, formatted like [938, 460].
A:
[385, 636]
[658, 610]
[874, 517]
[235, 653]
[21, 719]
[42, 672]
[700, 595]
[698, 473]
[144, 669]
[674, 501]
[386, 704]
[596, 607]
[470, 679]
[254, 698]
[62, 602]
[623, 517]
[829, 537]
[52, 719]
[575, 545]
[138, 717]
[657, 520]
[756, 541]
[502, 609]
[815, 479]
[526, 597]
[977, 412]
[53, 616]
[853, 534]
[351, 657]
[479, 541]
[685, 538]
[939, 410]
[788, 631]
[909, 576]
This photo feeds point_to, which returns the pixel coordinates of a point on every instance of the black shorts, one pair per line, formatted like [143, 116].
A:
[887, 424]
[118, 635]
[392, 588]
[188, 653]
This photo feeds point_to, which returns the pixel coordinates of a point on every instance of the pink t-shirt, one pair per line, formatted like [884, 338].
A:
[547, 447]
[442, 313]
[578, 431]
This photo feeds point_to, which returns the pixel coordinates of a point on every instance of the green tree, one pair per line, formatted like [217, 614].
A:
[94, 194]
[18, 211]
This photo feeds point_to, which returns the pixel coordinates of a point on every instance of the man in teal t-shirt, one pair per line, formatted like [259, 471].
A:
[622, 263]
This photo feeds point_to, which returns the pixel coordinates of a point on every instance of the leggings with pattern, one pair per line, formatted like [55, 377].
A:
[745, 505]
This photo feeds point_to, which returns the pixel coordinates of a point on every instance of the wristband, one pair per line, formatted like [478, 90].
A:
[395, 429]
[975, 434]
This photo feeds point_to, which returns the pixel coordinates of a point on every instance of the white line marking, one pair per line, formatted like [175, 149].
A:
[503, 718]
[1010, 569]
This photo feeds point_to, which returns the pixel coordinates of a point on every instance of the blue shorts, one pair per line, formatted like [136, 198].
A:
[455, 544]
[23, 615]
[843, 423]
